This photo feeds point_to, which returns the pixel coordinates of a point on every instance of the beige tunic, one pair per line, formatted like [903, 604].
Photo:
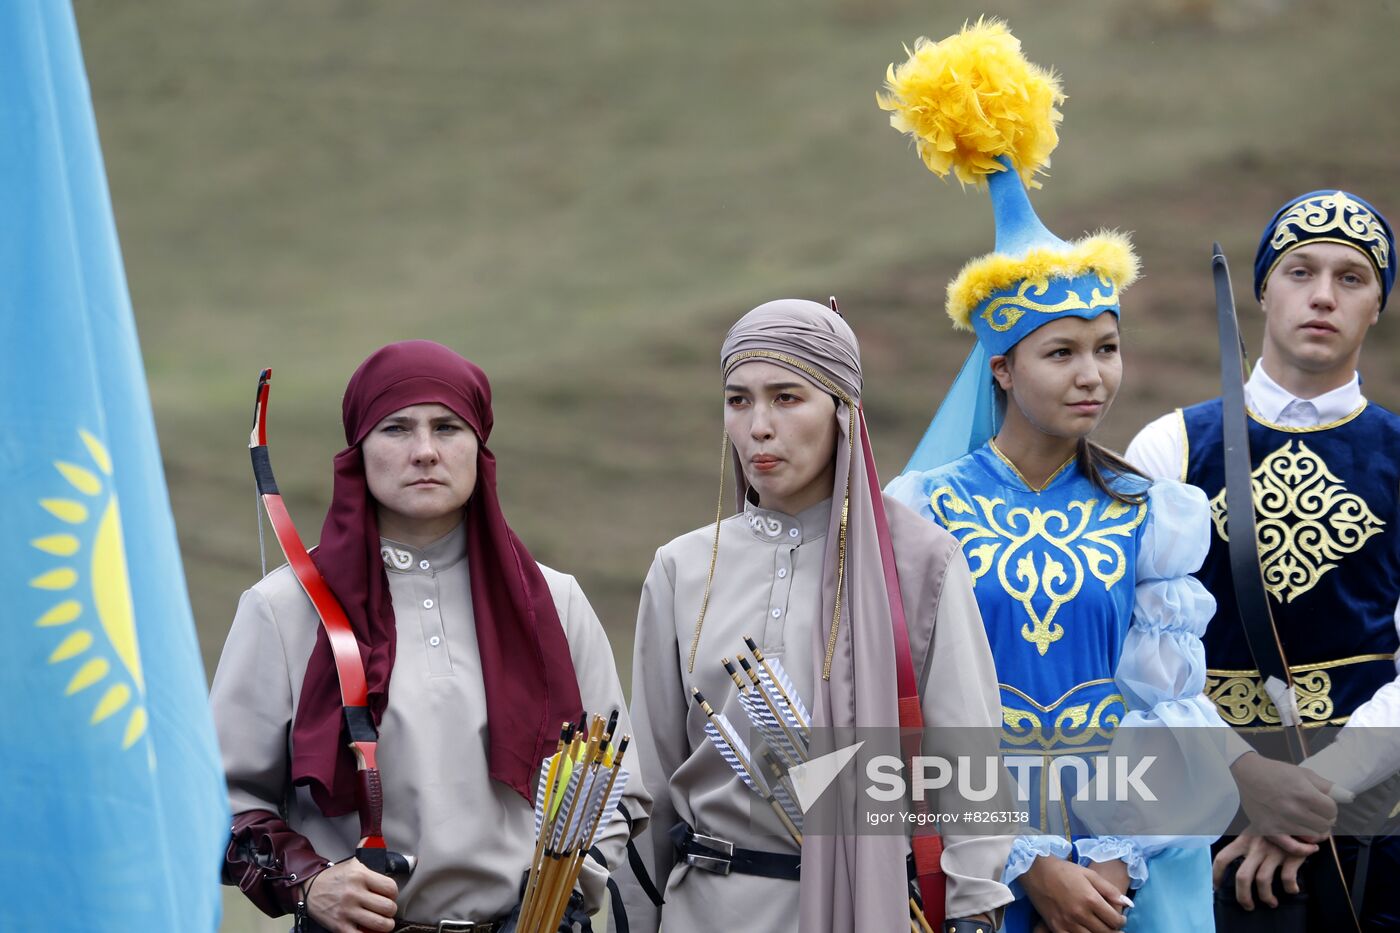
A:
[473, 836]
[767, 585]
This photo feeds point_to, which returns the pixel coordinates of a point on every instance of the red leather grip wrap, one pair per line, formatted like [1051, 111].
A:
[369, 793]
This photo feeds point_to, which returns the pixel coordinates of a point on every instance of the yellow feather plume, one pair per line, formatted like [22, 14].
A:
[974, 97]
[1107, 252]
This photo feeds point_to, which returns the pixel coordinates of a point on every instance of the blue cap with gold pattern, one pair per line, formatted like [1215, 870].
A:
[976, 107]
[1327, 217]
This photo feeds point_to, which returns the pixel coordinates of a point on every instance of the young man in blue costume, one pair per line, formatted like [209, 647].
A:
[1326, 469]
[1081, 567]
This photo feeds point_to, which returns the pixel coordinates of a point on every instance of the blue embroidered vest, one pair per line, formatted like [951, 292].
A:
[1053, 572]
[1325, 506]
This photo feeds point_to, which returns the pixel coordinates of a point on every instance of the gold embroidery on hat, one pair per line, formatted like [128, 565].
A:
[1333, 212]
[1069, 545]
[1010, 308]
[1307, 521]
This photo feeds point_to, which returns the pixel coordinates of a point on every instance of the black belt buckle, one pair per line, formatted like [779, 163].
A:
[717, 863]
[461, 926]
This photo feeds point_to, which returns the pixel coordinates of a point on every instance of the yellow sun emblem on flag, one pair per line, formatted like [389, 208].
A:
[92, 580]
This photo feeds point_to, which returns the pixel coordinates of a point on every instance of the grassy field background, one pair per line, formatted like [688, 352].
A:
[582, 197]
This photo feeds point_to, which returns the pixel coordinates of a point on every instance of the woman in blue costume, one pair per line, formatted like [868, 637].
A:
[1081, 566]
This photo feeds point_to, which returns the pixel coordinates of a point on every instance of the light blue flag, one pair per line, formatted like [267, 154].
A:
[113, 811]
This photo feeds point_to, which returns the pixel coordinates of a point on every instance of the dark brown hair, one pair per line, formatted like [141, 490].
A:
[1103, 467]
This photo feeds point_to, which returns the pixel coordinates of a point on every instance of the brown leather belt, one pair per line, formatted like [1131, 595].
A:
[451, 926]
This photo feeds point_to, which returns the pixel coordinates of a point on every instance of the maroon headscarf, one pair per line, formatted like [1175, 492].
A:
[525, 662]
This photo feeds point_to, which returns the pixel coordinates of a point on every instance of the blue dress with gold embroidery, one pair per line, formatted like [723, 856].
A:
[1094, 623]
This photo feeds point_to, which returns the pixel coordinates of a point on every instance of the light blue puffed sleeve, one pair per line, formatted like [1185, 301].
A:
[1161, 674]
[1162, 670]
[911, 489]
[1024, 851]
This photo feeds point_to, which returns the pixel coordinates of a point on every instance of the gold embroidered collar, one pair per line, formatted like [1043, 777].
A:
[1027, 483]
[1346, 221]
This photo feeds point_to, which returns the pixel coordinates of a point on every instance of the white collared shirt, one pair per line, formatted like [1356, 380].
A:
[1159, 450]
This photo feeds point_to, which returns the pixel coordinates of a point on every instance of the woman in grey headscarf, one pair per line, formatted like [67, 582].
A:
[862, 602]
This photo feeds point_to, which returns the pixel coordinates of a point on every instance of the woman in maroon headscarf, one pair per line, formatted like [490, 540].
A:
[473, 653]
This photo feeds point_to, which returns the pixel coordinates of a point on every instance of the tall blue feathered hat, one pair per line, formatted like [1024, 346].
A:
[1328, 216]
[976, 107]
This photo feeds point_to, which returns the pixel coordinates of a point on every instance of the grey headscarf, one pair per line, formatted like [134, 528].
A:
[849, 881]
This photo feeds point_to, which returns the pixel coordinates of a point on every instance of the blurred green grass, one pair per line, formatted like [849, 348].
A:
[582, 197]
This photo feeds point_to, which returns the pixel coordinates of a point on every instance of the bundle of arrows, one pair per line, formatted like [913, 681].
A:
[782, 727]
[579, 790]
